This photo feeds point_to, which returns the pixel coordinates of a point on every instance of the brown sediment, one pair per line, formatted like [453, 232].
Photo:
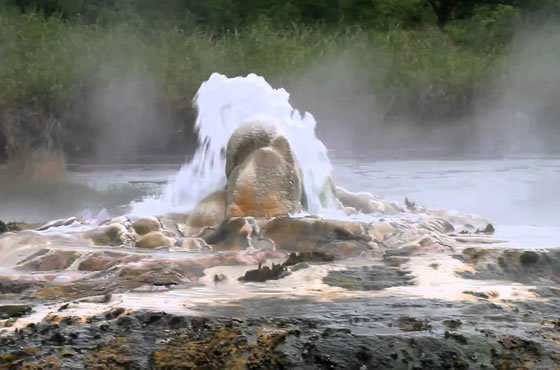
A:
[39, 166]
[220, 350]
[116, 354]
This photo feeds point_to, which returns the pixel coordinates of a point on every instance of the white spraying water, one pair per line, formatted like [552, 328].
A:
[223, 104]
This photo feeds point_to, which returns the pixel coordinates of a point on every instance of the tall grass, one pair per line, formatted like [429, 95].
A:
[53, 61]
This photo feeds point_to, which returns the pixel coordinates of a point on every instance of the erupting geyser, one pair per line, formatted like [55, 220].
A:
[223, 104]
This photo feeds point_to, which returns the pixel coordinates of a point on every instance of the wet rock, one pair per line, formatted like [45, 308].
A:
[477, 294]
[362, 202]
[194, 244]
[158, 273]
[11, 286]
[400, 252]
[529, 258]
[118, 353]
[16, 226]
[489, 229]
[519, 265]
[452, 323]
[278, 271]
[210, 211]
[233, 234]
[51, 261]
[263, 178]
[218, 278]
[212, 352]
[373, 278]
[155, 239]
[295, 258]
[264, 273]
[547, 292]
[106, 298]
[407, 323]
[308, 234]
[395, 261]
[11, 311]
[409, 204]
[407, 240]
[59, 291]
[437, 225]
[350, 248]
[379, 231]
[458, 337]
[103, 261]
[144, 225]
[470, 222]
[58, 223]
[151, 339]
[113, 234]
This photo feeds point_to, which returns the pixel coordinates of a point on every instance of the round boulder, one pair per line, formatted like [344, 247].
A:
[145, 225]
[266, 183]
[155, 239]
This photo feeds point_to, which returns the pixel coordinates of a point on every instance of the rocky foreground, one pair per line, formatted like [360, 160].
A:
[413, 291]
[237, 283]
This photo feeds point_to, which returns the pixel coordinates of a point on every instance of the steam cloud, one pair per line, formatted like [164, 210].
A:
[517, 112]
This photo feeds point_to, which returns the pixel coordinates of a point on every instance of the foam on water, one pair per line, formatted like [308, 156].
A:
[223, 104]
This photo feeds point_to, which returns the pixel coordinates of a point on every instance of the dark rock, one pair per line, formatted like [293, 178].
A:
[458, 337]
[276, 272]
[338, 238]
[529, 258]
[409, 204]
[218, 278]
[407, 323]
[295, 258]
[546, 291]
[452, 323]
[489, 229]
[232, 234]
[395, 261]
[518, 265]
[262, 274]
[400, 252]
[477, 294]
[8, 286]
[113, 314]
[152, 339]
[375, 278]
[11, 311]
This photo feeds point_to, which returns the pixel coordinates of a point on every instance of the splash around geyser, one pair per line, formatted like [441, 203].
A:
[223, 105]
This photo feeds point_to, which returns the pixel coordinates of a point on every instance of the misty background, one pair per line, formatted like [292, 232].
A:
[389, 79]
[516, 112]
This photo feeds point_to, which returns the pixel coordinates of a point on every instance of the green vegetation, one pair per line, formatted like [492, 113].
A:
[57, 55]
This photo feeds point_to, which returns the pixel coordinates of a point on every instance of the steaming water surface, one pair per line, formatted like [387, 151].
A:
[518, 195]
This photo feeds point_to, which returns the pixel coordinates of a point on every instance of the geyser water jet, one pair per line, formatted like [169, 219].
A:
[223, 104]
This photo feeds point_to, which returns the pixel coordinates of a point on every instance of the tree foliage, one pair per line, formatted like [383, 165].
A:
[227, 15]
